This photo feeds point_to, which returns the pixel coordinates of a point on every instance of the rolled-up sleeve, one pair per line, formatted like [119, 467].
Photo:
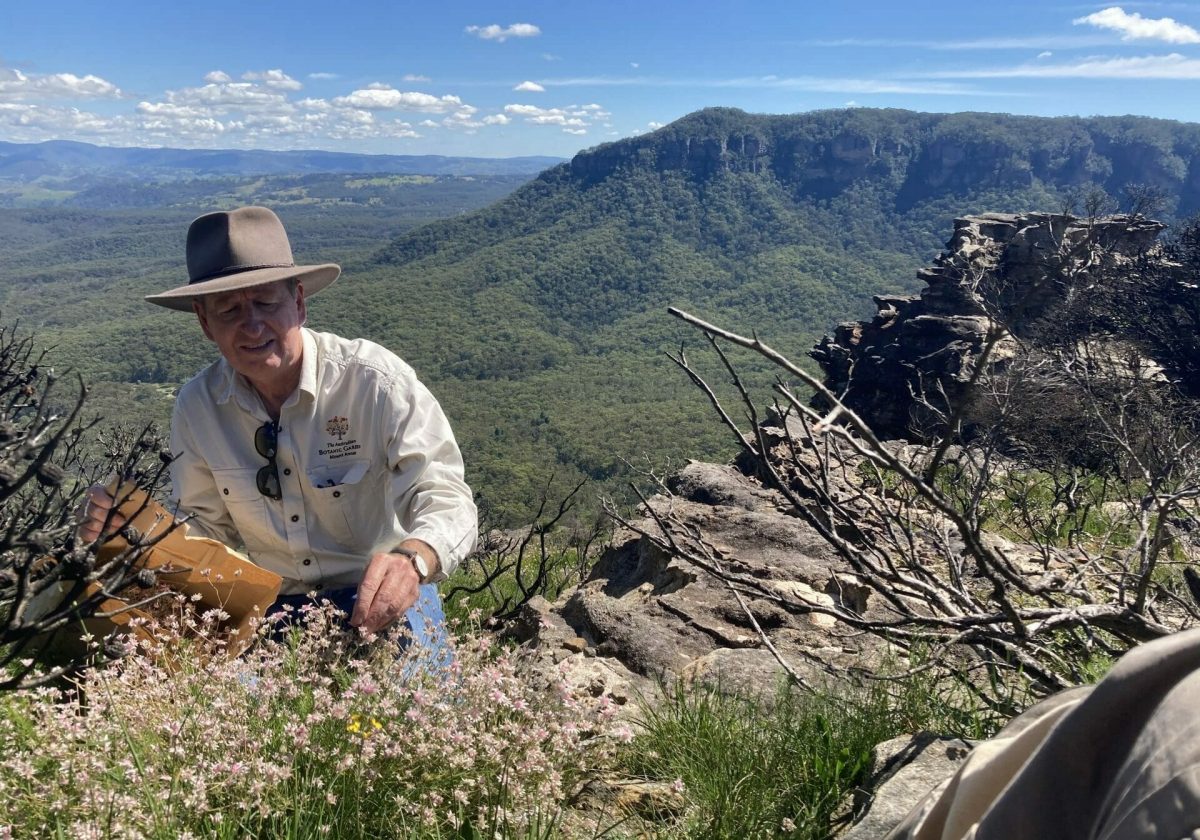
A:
[430, 495]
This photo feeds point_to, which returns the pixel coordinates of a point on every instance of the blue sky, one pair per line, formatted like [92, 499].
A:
[551, 78]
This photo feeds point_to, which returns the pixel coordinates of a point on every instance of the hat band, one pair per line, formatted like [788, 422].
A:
[238, 269]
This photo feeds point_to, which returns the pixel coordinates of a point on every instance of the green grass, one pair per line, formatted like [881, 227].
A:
[778, 768]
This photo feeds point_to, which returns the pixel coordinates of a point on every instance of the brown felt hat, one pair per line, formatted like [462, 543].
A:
[237, 249]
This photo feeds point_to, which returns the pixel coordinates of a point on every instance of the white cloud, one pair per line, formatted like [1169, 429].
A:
[273, 79]
[551, 57]
[259, 110]
[530, 87]
[1134, 27]
[16, 86]
[500, 34]
[383, 98]
[229, 95]
[167, 109]
[397, 128]
[25, 122]
[575, 130]
[523, 110]
[462, 120]
[634, 65]
[415, 77]
[1172, 66]
[1045, 54]
[653, 125]
[570, 117]
[323, 76]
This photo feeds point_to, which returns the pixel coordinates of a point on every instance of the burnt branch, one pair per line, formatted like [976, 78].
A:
[48, 582]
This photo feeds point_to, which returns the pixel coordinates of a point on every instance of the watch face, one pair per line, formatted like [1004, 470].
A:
[421, 566]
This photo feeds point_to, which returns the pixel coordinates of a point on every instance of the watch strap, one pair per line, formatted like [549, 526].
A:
[419, 565]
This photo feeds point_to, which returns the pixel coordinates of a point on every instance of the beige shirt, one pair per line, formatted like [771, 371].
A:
[1116, 761]
[366, 459]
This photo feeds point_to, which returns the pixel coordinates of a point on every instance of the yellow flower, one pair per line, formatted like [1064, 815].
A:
[355, 726]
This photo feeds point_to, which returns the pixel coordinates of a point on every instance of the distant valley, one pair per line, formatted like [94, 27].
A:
[423, 187]
[536, 311]
[65, 159]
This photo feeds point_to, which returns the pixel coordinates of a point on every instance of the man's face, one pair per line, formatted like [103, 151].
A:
[257, 330]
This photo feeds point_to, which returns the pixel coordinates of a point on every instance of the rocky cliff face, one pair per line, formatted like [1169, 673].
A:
[919, 156]
[998, 270]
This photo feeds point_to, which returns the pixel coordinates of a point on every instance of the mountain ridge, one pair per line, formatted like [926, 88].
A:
[64, 158]
[824, 151]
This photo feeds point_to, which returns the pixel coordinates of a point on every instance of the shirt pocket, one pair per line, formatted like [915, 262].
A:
[343, 497]
[246, 505]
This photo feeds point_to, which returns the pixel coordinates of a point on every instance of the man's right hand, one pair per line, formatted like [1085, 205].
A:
[93, 512]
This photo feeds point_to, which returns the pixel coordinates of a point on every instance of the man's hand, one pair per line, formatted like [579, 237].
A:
[92, 513]
[389, 588]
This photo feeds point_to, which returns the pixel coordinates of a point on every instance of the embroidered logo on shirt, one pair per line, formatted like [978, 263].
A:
[338, 426]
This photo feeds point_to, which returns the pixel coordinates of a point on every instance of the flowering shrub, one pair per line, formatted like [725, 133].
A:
[315, 735]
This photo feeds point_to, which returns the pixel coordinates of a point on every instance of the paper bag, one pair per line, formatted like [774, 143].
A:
[189, 564]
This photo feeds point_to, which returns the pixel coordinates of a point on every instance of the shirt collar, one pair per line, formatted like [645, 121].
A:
[231, 383]
[308, 363]
[225, 380]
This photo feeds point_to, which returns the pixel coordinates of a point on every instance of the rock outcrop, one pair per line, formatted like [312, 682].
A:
[903, 770]
[644, 617]
[997, 269]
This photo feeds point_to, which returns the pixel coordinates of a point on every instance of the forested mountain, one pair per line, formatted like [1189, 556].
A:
[783, 220]
[540, 320]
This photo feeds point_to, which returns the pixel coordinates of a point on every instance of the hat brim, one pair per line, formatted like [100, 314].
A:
[314, 277]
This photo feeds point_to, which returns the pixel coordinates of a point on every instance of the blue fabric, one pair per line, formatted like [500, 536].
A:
[425, 619]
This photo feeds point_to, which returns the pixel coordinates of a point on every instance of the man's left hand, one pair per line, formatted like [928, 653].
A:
[389, 588]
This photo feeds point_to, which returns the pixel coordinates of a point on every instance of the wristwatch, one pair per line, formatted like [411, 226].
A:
[418, 562]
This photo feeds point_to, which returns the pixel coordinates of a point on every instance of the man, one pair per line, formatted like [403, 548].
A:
[325, 459]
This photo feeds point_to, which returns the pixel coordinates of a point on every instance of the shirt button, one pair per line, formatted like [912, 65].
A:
[337, 494]
[295, 518]
[225, 490]
[307, 561]
[287, 470]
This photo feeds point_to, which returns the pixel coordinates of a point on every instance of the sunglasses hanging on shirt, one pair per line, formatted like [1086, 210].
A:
[266, 443]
